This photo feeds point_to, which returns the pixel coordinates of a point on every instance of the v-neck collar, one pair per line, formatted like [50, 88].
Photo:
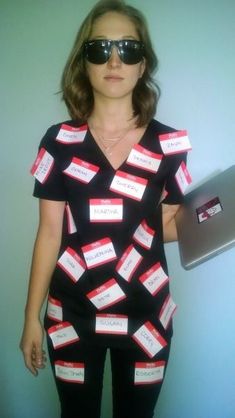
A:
[103, 155]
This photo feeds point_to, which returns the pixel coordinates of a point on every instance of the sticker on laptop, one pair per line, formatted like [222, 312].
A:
[208, 210]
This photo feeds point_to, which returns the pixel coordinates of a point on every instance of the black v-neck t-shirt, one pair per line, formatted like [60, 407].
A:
[111, 262]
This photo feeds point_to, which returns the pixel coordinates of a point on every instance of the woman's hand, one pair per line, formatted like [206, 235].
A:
[31, 346]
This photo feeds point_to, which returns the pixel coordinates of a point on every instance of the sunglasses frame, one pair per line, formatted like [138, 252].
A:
[108, 44]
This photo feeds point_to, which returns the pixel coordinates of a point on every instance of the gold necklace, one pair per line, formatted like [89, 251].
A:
[112, 141]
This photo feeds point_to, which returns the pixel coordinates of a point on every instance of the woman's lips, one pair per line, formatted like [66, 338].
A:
[113, 78]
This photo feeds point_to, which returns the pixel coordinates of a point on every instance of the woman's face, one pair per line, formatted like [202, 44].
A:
[114, 79]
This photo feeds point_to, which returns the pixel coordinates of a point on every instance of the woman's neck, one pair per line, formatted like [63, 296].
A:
[112, 116]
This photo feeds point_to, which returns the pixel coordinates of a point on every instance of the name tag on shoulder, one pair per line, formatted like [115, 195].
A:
[42, 166]
[175, 142]
[71, 135]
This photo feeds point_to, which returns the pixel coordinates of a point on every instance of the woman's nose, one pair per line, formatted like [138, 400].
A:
[114, 60]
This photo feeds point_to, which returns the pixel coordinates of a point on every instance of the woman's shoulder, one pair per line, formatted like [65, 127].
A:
[161, 128]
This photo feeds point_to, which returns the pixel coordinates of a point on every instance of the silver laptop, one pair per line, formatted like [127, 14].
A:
[206, 221]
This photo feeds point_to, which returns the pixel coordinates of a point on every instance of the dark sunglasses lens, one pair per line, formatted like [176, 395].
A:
[131, 52]
[97, 52]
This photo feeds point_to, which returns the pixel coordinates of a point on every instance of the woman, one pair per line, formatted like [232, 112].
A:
[108, 190]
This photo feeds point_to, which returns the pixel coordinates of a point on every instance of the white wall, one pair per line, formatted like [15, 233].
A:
[195, 44]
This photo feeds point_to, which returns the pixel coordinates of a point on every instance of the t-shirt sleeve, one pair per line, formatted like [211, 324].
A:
[49, 178]
[173, 189]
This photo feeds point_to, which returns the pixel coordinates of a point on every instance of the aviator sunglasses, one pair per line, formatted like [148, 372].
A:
[98, 51]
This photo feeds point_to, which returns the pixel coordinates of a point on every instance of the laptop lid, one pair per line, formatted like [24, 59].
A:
[206, 220]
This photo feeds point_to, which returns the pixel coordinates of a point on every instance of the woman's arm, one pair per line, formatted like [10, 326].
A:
[44, 259]
[168, 222]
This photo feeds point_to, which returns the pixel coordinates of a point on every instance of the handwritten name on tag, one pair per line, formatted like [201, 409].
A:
[42, 166]
[106, 210]
[145, 159]
[149, 339]
[183, 178]
[147, 373]
[106, 295]
[70, 221]
[71, 135]
[72, 264]
[54, 309]
[62, 334]
[111, 324]
[175, 142]
[128, 185]
[70, 372]
[128, 263]
[168, 309]
[80, 170]
[154, 279]
[144, 235]
[99, 252]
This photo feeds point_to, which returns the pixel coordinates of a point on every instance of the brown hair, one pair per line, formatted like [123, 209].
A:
[76, 88]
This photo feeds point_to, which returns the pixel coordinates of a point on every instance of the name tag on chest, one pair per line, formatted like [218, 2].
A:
[149, 339]
[128, 185]
[111, 324]
[62, 334]
[145, 159]
[106, 295]
[80, 170]
[175, 142]
[106, 210]
[71, 135]
[98, 253]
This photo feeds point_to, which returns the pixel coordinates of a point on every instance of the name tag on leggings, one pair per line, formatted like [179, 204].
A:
[147, 373]
[70, 372]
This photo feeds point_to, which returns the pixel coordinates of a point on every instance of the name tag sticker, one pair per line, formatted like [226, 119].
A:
[70, 221]
[72, 264]
[183, 177]
[149, 339]
[71, 135]
[128, 263]
[106, 295]
[70, 372]
[144, 235]
[147, 373]
[128, 185]
[175, 142]
[62, 334]
[80, 170]
[154, 279]
[111, 324]
[168, 309]
[99, 252]
[145, 159]
[54, 309]
[106, 210]
[209, 209]
[42, 166]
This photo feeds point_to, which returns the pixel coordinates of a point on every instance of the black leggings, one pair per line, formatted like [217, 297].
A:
[83, 400]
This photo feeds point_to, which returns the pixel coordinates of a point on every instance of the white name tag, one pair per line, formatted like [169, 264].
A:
[62, 334]
[128, 185]
[128, 263]
[99, 252]
[149, 339]
[70, 221]
[81, 170]
[71, 135]
[147, 373]
[183, 177]
[70, 372]
[111, 324]
[54, 309]
[154, 279]
[42, 166]
[168, 309]
[72, 264]
[144, 235]
[106, 295]
[106, 210]
[175, 142]
[145, 159]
